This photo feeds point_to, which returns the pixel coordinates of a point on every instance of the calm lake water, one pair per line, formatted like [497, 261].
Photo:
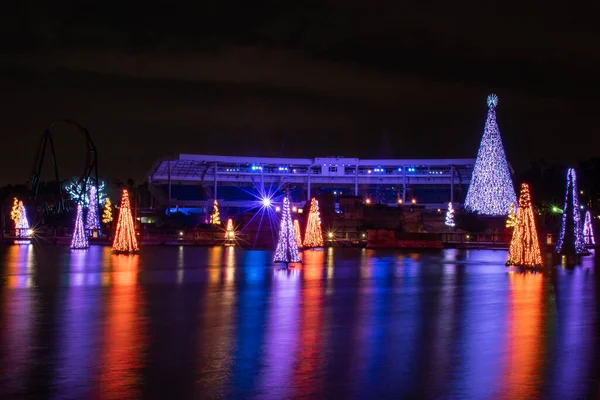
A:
[192, 322]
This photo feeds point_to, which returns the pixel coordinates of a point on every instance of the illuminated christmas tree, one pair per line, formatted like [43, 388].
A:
[570, 239]
[19, 216]
[79, 240]
[229, 231]
[313, 236]
[215, 218]
[512, 218]
[107, 214]
[92, 221]
[297, 233]
[125, 240]
[450, 216]
[287, 249]
[588, 229]
[525, 246]
[491, 189]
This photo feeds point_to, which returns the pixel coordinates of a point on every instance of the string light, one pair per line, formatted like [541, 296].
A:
[79, 240]
[450, 216]
[491, 189]
[313, 236]
[107, 215]
[125, 240]
[229, 231]
[287, 249]
[570, 239]
[588, 229]
[512, 217]
[74, 188]
[525, 246]
[19, 216]
[297, 233]
[215, 218]
[92, 221]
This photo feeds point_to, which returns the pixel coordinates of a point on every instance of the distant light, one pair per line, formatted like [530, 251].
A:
[277, 209]
[180, 233]
[400, 169]
[414, 201]
[369, 171]
[29, 232]
[334, 192]
[399, 201]
[468, 237]
[362, 235]
[300, 211]
[266, 202]
[330, 235]
[368, 201]
[581, 192]
[581, 207]
[294, 209]
[439, 210]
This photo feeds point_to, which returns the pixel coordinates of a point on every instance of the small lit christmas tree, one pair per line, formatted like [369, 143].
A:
[215, 218]
[79, 240]
[19, 216]
[491, 189]
[588, 229]
[287, 249]
[107, 214]
[125, 240]
[512, 217]
[570, 239]
[450, 216]
[313, 236]
[525, 246]
[229, 231]
[92, 220]
[297, 233]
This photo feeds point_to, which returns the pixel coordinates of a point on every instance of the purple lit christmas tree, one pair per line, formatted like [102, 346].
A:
[570, 239]
[588, 230]
[92, 219]
[79, 240]
[287, 248]
[491, 190]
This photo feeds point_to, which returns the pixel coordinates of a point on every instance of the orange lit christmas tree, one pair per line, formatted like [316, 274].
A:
[125, 240]
[229, 232]
[297, 233]
[525, 246]
[215, 218]
[313, 236]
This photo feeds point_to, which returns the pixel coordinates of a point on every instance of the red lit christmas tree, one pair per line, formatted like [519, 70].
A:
[525, 246]
[125, 240]
[313, 236]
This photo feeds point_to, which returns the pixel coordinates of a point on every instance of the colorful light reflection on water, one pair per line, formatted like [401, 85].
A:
[184, 322]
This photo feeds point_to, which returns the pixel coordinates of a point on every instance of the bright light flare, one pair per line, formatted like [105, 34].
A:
[266, 202]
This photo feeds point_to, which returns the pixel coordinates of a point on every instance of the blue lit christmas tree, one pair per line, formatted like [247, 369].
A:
[491, 190]
[92, 219]
[570, 240]
[287, 248]
[79, 240]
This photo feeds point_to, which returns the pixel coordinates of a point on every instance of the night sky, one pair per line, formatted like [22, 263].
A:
[356, 79]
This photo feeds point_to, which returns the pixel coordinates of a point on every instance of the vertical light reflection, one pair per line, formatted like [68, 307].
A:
[215, 342]
[311, 357]
[19, 307]
[281, 340]
[79, 322]
[330, 269]
[523, 357]
[124, 338]
[179, 265]
[215, 264]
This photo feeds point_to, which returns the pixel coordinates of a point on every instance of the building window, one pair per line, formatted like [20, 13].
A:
[332, 169]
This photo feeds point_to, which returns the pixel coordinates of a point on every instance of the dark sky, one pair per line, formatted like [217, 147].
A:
[367, 79]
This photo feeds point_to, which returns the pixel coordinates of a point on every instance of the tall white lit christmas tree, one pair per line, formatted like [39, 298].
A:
[570, 238]
[287, 248]
[450, 216]
[92, 219]
[588, 230]
[79, 240]
[491, 190]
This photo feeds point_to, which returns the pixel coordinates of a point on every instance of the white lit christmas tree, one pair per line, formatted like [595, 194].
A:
[570, 239]
[491, 189]
[450, 216]
[92, 219]
[588, 229]
[287, 248]
[79, 240]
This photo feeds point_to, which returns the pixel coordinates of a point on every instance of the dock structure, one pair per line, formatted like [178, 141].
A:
[194, 180]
